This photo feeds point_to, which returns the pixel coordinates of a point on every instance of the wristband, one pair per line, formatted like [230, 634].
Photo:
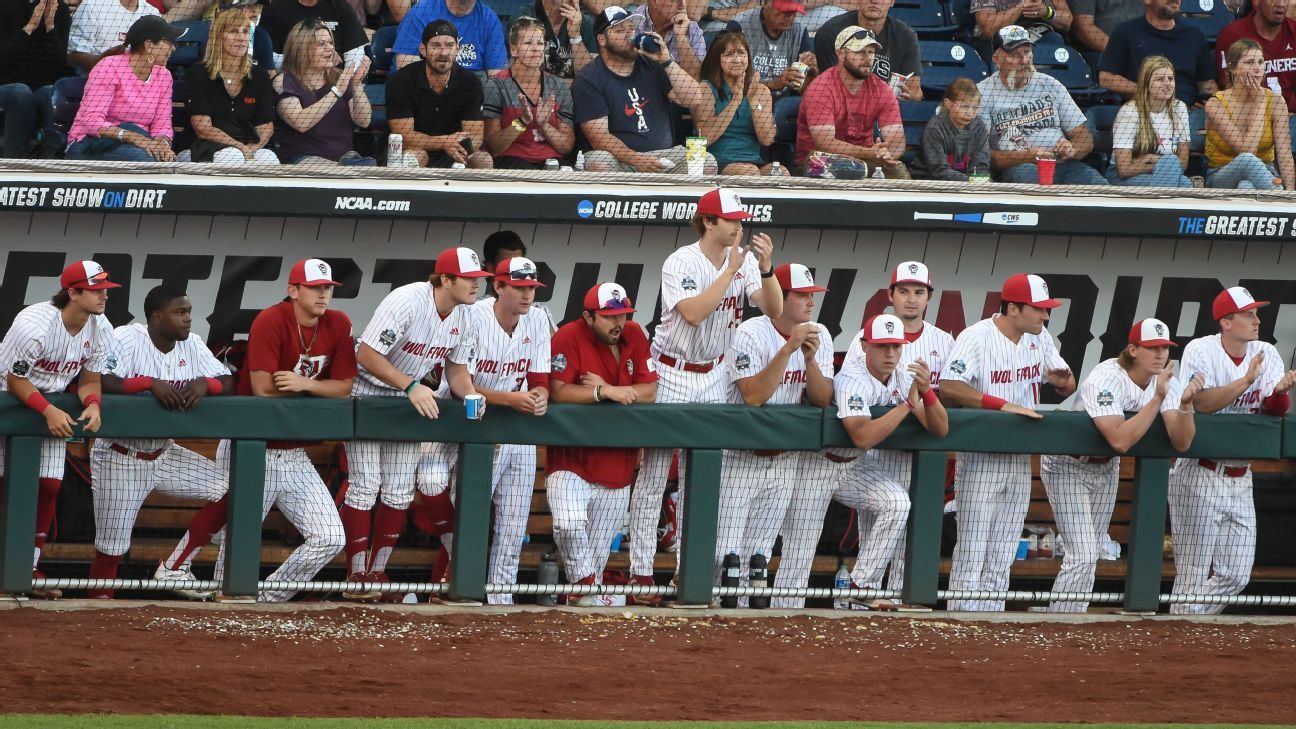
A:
[768, 274]
[92, 399]
[121, 135]
[136, 385]
[598, 394]
[990, 402]
[214, 386]
[36, 401]
[336, 92]
[519, 126]
[929, 398]
[668, 62]
[410, 387]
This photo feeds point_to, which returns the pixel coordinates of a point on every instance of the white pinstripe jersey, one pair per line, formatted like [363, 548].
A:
[1108, 390]
[498, 360]
[991, 363]
[687, 273]
[408, 331]
[756, 343]
[134, 355]
[1206, 356]
[932, 346]
[855, 390]
[39, 349]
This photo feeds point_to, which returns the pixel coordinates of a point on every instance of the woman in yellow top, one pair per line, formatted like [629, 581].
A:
[1246, 128]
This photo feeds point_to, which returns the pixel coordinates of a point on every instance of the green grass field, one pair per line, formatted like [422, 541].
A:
[99, 721]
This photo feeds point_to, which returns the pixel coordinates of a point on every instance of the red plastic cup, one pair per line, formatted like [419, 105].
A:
[1044, 167]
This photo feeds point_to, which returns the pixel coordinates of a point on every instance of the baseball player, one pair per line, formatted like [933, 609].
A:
[508, 356]
[48, 345]
[779, 360]
[296, 348]
[1212, 512]
[705, 287]
[601, 359]
[910, 293]
[999, 364]
[409, 336]
[503, 244]
[163, 358]
[874, 482]
[1082, 489]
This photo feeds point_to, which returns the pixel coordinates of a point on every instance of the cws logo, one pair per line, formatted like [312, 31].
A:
[657, 210]
[352, 202]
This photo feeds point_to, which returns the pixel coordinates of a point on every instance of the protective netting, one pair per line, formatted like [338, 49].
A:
[1020, 91]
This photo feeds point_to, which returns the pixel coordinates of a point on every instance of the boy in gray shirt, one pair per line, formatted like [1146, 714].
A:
[956, 142]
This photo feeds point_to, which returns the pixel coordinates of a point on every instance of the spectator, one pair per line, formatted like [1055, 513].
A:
[33, 51]
[897, 61]
[528, 111]
[1038, 17]
[1157, 34]
[844, 104]
[436, 106]
[231, 103]
[125, 114]
[621, 98]
[1031, 116]
[263, 53]
[741, 122]
[319, 104]
[670, 19]
[282, 16]
[480, 35]
[568, 35]
[1246, 129]
[1151, 134]
[1093, 21]
[99, 29]
[777, 38]
[1269, 26]
[955, 142]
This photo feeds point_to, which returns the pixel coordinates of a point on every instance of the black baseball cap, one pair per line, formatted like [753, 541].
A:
[1010, 37]
[152, 28]
[611, 15]
[440, 27]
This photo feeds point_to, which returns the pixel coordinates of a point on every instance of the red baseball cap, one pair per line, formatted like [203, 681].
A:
[311, 272]
[1027, 288]
[884, 329]
[1232, 300]
[518, 271]
[1151, 333]
[796, 277]
[86, 275]
[722, 203]
[609, 299]
[460, 261]
[912, 272]
[788, 6]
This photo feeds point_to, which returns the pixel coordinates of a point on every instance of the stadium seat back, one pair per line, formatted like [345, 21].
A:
[915, 115]
[190, 47]
[928, 18]
[1210, 16]
[381, 50]
[944, 61]
[1100, 120]
[377, 94]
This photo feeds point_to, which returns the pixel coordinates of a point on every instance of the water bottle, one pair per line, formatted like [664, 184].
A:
[776, 170]
[758, 576]
[551, 165]
[730, 576]
[877, 173]
[548, 575]
[580, 161]
[842, 582]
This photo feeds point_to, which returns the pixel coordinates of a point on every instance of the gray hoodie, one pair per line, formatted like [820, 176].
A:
[949, 153]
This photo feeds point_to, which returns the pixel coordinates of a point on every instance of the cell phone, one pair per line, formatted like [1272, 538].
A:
[647, 43]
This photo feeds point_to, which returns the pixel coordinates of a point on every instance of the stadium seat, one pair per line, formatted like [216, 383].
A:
[52, 140]
[944, 61]
[960, 14]
[507, 10]
[1100, 120]
[381, 50]
[709, 37]
[189, 49]
[928, 18]
[1210, 16]
[1065, 64]
[915, 115]
[377, 94]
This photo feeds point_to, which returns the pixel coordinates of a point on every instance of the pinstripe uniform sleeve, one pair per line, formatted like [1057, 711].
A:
[101, 345]
[1271, 371]
[1102, 395]
[853, 395]
[824, 356]
[748, 354]
[206, 362]
[390, 322]
[469, 345]
[965, 360]
[1196, 362]
[123, 362]
[679, 282]
[1052, 357]
[540, 343]
[752, 281]
[22, 346]
[1173, 393]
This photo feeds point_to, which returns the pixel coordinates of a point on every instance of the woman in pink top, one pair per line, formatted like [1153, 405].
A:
[125, 114]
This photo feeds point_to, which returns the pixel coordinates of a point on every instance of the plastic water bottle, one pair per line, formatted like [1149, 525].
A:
[580, 161]
[730, 576]
[758, 576]
[776, 170]
[877, 173]
[548, 575]
[842, 582]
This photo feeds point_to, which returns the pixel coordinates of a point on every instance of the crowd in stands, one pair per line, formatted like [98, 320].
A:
[1099, 92]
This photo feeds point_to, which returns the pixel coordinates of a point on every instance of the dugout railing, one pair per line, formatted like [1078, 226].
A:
[702, 432]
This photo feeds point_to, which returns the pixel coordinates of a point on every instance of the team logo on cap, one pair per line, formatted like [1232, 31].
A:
[890, 326]
[1160, 330]
[472, 256]
[1105, 398]
[958, 367]
[1043, 286]
[913, 269]
[21, 368]
[558, 363]
[855, 403]
[742, 361]
[737, 200]
[323, 269]
[387, 337]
